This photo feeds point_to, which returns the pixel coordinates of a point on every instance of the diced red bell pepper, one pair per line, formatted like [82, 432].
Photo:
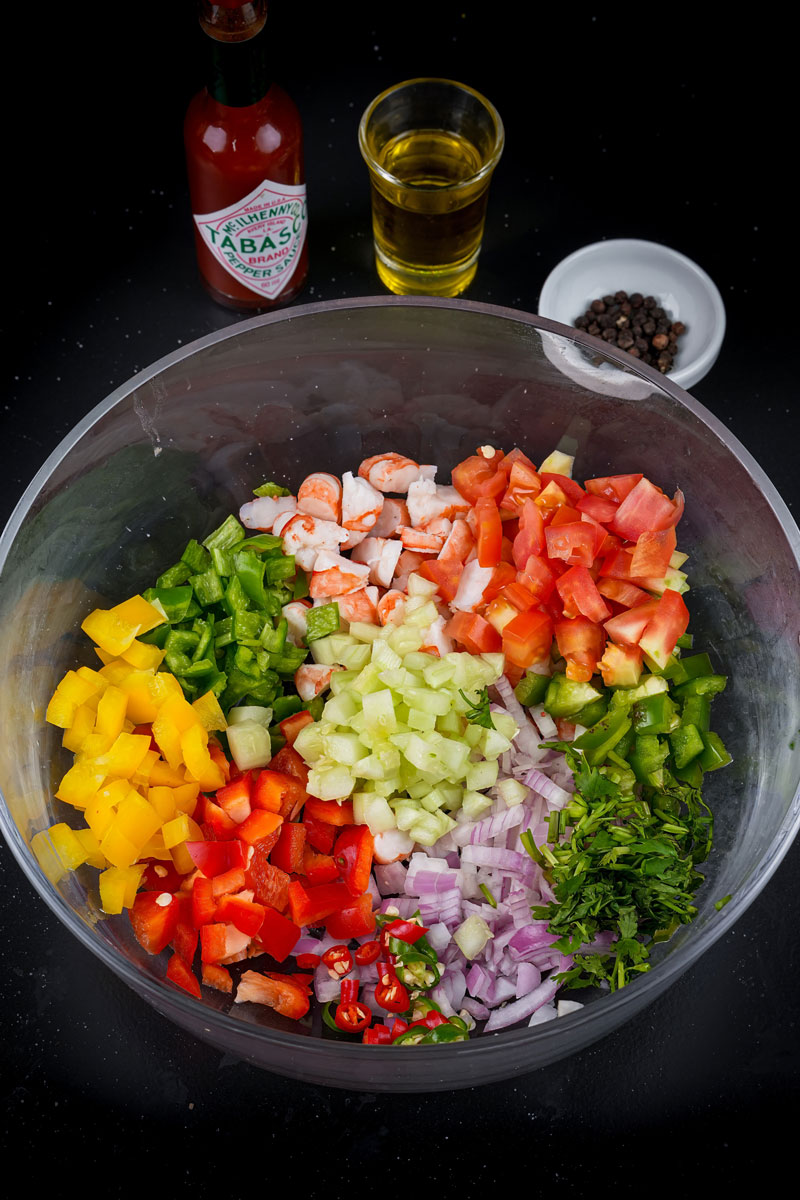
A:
[320, 834]
[185, 941]
[204, 906]
[219, 822]
[278, 935]
[289, 762]
[181, 974]
[352, 854]
[216, 976]
[318, 868]
[354, 919]
[269, 883]
[215, 857]
[217, 756]
[161, 876]
[260, 824]
[227, 882]
[331, 811]
[291, 726]
[278, 792]
[310, 906]
[287, 852]
[234, 798]
[213, 942]
[153, 923]
[246, 915]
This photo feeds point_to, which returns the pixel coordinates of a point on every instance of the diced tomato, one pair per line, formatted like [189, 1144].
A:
[258, 825]
[310, 906]
[612, 487]
[490, 531]
[291, 726]
[598, 507]
[627, 627]
[538, 575]
[477, 476]
[620, 666]
[570, 487]
[288, 850]
[617, 564]
[278, 935]
[524, 484]
[289, 762]
[527, 638]
[652, 553]
[270, 885]
[278, 792]
[474, 633]
[445, 573]
[332, 812]
[216, 977]
[354, 919]
[246, 915]
[213, 858]
[669, 622]
[549, 499]
[581, 643]
[503, 574]
[154, 924]
[565, 514]
[181, 974]
[352, 854]
[530, 539]
[519, 595]
[603, 542]
[204, 906]
[626, 594]
[645, 510]
[574, 542]
[320, 834]
[500, 612]
[580, 596]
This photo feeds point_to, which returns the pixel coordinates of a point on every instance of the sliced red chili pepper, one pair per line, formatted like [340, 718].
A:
[338, 960]
[353, 1017]
[367, 952]
[307, 962]
[349, 990]
[398, 1026]
[392, 996]
[431, 1020]
[377, 1035]
[404, 931]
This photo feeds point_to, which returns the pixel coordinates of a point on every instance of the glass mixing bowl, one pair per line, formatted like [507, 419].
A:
[320, 387]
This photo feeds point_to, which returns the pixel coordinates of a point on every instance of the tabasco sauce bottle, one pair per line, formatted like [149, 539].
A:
[245, 161]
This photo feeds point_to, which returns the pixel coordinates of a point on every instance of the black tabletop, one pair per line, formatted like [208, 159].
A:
[661, 126]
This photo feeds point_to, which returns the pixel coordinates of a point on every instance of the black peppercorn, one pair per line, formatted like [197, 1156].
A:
[635, 323]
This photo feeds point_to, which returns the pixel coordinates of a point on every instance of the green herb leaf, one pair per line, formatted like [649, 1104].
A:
[479, 713]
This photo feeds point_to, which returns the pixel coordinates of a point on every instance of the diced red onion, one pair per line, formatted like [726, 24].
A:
[391, 878]
[518, 1010]
[502, 860]
[528, 978]
[555, 796]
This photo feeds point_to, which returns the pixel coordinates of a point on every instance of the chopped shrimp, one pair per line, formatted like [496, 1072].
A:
[441, 526]
[290, 1001]
[354, 538]
[380, 555]
[390, 472]
[321, 495]
[261, 512]
[427, 501]
[419, 539]
[459, 542]
[392, 845]
[296, 615]
[361, 605]
[408, 562]
[334, 575]
[435, 638]
[312, 678]
[361, 503]
[305, 536]
[392, 608]
[471, 586]
[394, 515]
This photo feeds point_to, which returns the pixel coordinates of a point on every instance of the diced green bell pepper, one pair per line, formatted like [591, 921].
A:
[654, 714]
[532, 689]
[322, 621]
[686, 743]
[714, 754]
[603, 736]
[566, 697]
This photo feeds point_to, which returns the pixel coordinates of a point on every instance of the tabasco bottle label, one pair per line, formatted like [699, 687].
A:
[258, 240]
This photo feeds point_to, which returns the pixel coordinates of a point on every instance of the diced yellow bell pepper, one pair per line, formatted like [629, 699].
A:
[177, 709]
[82, 725]
[91, 844]
[202, 768]
[138, 611]
[155, 848]
[185, 797]
[118, 887]
[109, 630]
[175, 831]
[163, 775]
[101, 809]
[67, 846]
[70, 693]
[142, 708]
[163, 801]
[126, 755]
[137, 819]
[118, 849]
[48, 860]
[141, 777]
[105, 658]
[116, 671]
[143, 656]
[209, 712]
[168, 738]
[163, 685]
[93, 677]
[80, 783]
[111, 712]
[181, 858]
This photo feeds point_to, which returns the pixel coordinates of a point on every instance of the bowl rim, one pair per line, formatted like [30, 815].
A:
[688, 373]
[160, 994]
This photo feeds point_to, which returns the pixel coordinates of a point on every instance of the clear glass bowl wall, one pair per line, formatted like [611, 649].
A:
[167, 456]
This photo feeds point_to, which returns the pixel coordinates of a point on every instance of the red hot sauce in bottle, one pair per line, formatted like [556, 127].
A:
[244, 153]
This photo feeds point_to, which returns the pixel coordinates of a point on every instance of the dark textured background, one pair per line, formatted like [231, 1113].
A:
[667, 126]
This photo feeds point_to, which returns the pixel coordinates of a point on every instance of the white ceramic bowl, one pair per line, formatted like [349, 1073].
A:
[682, 288]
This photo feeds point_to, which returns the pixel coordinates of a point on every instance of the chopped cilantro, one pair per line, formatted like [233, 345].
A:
[478, 713]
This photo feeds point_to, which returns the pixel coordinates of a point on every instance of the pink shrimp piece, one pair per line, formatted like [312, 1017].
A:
[392, 607]
[282, 520]
[441, 526]
[296, 614]
[394, 515]
[312, 678]
[380, 555]
[428, 501]
[419, 539]
[354, 538]
[471, 586]
[262, 512]
[359, 606]
[459, 542]
[436, 639]
[305, 537]
[361, 503]
[389, 472]
[392, 845]
[334, 575]
[320, 495]
[408, 562]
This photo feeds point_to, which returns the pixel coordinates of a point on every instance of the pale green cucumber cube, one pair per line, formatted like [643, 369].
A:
[496, 662]
[423, 615]
[341, 681]
[404, 639]
[481, 775]
[379, 712]
[417, 585]
[427, 700]
[505, 724]
[368, 680]
[512, 792]
[340, 709]
[473, 735]
[344, 748]
[415, 660]
[421, 720]
[475, 803]
[250, 712]
[330, 783]
[322, 651]
[364, 631]
[309, 742]
[355, 657]
[493, 744]
[451, 723]
[406, 812]
[384, 657]
[438, 673]
[373, 810]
